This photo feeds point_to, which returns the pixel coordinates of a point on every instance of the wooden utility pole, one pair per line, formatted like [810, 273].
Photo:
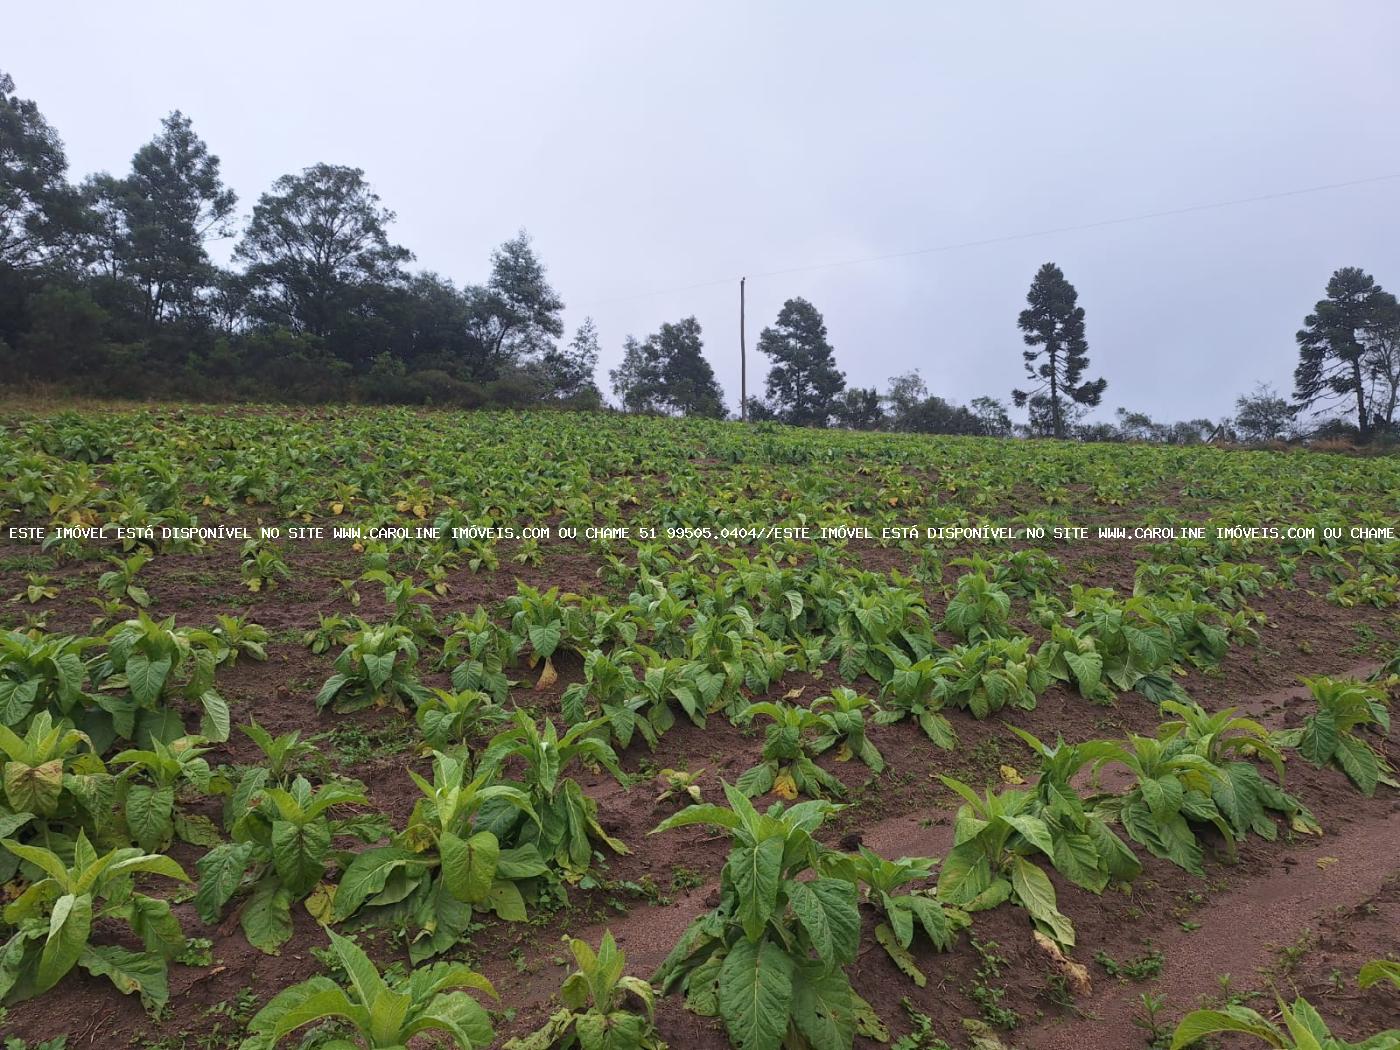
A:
[743, 360]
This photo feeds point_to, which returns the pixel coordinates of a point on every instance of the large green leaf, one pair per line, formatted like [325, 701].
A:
[146, 677]
[220, 874]
[822, 1007]
[141, 972]
[469, 865]
[1319, 740]
[150, 815]
[70, 922]
[838, 901]
[1037, 895]
[1359, 763]
[366, 876]
[754, 873]
[298, 853]
[755, 994]
[267, 916]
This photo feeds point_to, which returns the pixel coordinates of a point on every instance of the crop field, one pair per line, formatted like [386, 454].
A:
[327, 724]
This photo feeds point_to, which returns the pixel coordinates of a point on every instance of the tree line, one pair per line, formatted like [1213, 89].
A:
[108, 287]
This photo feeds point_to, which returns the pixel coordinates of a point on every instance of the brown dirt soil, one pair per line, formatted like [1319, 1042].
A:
[1340, 895]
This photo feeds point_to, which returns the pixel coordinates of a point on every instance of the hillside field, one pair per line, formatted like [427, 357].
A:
[451, 730]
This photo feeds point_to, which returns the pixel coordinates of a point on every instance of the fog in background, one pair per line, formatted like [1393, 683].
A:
[649, 148]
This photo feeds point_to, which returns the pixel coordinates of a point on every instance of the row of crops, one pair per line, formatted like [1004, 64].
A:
[113, 735]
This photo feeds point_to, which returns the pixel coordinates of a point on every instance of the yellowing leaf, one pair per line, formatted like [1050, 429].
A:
[1324, 863]
[548, 676]
[401, 506]
[337, 508]
[320, 901]
[420, 511]
[1011, 775]
[843, 753]
[785, 787]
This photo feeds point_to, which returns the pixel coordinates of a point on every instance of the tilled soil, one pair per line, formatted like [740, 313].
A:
[1298, 914]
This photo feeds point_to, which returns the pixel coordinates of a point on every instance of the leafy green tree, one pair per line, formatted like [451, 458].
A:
[570, 369]
[804, 382]
[906, 392]
[39, 210]
[991, 416]
[159, 218]
[313, 241]
[668, 373]
[515, 315]
[859, 408]
[1263, 415]
[1053, 323]
[1340, 341]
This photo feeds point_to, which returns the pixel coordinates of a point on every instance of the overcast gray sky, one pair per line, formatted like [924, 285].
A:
[649, 147]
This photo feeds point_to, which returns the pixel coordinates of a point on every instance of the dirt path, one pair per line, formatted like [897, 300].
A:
[1240, 932]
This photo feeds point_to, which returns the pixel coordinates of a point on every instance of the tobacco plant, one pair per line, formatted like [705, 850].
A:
[281, 844]
[377, 667]
[598, 1013]
[383, 1013]
[770, 959]
[56, 916]
[790, 743]
[448, 861]
[1330, 737]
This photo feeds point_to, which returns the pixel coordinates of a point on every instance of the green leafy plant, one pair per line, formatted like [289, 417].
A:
[55, 917]
[382, 1014]
[843, 715]
[37, 588]
[1243, 796]
[376, 667]
[281, 843]
[1175, 787]
[914, 689]
[449, 719]
[1084, 848]
[978, 609]
[238, 637]
[52, 776]
[1330, 736]
[43, 673]
[567, 825]
[1302, 1029]
[447, 861]
[147, 788]
[119, 583]
[770, 958]
[597, 1014]
[994, 838]
[680, 784]
[906, 910]
[262, 566]
[147, 660]
[282, 755]
[789, 744]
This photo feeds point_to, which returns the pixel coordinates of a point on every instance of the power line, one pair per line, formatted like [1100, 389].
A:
[1010, 237]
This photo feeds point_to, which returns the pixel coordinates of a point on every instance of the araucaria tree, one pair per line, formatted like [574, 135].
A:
[1053, 324]
[804, 382]
[1347, 349]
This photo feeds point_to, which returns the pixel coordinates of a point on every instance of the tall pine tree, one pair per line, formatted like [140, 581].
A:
[804, 382]
[1344, 343]
[1053, 323]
